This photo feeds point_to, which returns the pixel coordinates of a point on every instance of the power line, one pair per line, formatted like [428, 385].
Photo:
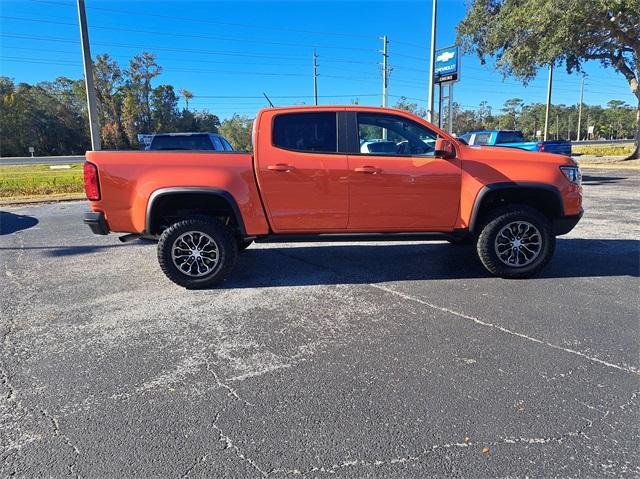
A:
[191, 35]
[179, 50]
[212, 22]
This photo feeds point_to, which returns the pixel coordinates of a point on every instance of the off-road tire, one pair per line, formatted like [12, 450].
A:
[215, 229]
[495, 222]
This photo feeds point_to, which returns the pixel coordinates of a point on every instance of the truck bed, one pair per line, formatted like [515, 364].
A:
[129, 178]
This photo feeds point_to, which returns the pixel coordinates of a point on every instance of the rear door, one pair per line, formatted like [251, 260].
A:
[301, 172]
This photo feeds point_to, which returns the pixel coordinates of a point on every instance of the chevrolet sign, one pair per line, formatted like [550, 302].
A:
[447, 66]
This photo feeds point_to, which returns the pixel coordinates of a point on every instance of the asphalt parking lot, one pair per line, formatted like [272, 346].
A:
[350, 360]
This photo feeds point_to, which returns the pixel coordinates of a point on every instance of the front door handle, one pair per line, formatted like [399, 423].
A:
[280, 167]
[372, 170]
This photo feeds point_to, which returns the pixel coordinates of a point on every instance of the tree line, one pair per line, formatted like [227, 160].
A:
[52, 117]
[615, 121]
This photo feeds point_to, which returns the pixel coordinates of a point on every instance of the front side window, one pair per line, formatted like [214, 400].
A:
[393, 135]
[306, 132]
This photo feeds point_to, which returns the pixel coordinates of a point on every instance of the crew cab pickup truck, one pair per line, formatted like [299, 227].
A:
[308, 180]
[515, 139]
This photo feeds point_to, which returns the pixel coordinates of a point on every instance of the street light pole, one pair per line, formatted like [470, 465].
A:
[546, 115]
[432, 62]
[94, 125]
[580, 107]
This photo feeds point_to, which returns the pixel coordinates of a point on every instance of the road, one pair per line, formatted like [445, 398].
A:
[41, 160]
[362, 360]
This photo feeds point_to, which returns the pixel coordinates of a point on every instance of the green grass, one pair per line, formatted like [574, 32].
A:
[604, 150]
[39, 180]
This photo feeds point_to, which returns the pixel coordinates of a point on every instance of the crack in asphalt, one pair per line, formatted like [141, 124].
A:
[232, 392]
[57, 432]
[332, 469]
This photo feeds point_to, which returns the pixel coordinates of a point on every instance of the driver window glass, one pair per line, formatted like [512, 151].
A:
[392, 135]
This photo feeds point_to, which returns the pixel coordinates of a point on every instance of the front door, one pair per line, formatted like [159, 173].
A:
[302, 177]
[395, 182]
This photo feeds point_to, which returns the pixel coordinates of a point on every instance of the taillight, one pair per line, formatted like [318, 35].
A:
[91, 185]
[540, 146]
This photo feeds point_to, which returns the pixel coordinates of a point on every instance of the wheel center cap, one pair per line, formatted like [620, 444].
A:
[517, 243]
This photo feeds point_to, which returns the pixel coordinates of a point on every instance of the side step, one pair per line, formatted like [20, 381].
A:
[345, 237]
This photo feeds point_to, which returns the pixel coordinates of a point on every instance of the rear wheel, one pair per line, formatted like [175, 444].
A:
[515, 242]
[197, 253]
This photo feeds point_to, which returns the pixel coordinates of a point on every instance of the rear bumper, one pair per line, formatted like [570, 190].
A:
[96, 222]
[563, 225]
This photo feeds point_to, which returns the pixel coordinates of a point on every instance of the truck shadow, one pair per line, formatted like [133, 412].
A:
[11, 223]
[360, 264]
[601, 180]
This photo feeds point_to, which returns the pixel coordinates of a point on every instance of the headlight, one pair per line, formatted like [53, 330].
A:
[572, 173]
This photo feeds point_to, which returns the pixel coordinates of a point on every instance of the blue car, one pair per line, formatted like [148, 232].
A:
[515, 139]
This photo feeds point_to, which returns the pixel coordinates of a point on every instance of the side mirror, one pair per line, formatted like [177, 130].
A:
[445, 149]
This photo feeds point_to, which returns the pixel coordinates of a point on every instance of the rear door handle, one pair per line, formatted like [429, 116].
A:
[372, 170]
[280, 167]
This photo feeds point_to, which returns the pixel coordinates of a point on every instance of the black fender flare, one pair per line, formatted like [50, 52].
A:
[163, 192]
[508, 185]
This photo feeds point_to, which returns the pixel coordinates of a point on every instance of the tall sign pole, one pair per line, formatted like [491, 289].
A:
[546, 115]
[446, 70]
[432, 62]
[94, 126]
[580, 107]
[315, 78]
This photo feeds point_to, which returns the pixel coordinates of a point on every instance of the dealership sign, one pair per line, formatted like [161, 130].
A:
[447, 65]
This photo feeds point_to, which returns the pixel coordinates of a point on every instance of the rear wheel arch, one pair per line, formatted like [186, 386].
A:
[540, 196]
[168, 205]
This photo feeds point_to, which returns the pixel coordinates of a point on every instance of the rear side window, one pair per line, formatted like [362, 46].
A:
[509, 137]
[217, 143]
[306, 132]
[225, 143]
[189, 142]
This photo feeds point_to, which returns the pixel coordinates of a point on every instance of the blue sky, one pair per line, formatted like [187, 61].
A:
[228, 52]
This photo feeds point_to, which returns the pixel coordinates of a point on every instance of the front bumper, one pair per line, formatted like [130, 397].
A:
[564, 224]
[96, 222]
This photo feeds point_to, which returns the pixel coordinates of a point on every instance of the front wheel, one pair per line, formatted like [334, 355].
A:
[197, 253]
[516, 242]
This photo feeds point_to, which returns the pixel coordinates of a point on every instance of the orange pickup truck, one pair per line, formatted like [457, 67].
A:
[335, 173]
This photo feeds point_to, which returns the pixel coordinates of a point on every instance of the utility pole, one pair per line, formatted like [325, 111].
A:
[432, 61]
[94, 126]
[315, 78]
[385, 71]
[569, 129]
[546, 115]
[557, 126]
[580, 107]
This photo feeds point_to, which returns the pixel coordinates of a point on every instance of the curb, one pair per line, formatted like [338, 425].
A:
[37, 201]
